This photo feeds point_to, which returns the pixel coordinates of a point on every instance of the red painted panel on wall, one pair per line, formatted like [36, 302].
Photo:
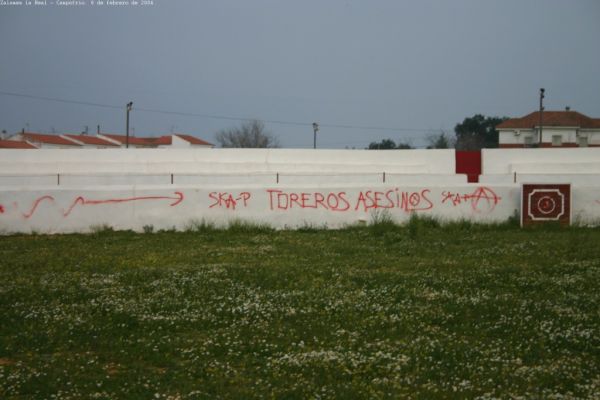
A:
[469, 163]
[544, 203]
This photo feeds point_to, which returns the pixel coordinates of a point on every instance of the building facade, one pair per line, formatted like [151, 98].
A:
[558, 129]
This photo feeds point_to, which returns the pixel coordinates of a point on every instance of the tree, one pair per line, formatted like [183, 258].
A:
[477, 132]
[388, 144]
[385, 144]
[251, 134]
[441, 141]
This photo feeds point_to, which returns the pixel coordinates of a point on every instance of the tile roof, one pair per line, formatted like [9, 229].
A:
[132, 139]
[93, 140]
[551, 118]
[193, 139]
[48, 139]
[163, 140]
[14, 144]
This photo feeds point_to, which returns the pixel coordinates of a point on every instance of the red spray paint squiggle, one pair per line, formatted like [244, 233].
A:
[80, 200]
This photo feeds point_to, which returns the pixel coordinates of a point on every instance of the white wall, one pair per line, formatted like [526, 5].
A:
[178, 143]
[51, 210]
[128, 189]
[593, 136]
[216, 161]
[568, 134]
[509, 136]
[543, 161]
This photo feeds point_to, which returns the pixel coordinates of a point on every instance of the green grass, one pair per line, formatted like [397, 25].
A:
[422, 311]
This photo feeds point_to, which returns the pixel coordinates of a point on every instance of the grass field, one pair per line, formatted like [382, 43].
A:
[420, 311]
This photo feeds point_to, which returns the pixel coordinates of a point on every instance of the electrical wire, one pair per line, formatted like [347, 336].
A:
[220, 117]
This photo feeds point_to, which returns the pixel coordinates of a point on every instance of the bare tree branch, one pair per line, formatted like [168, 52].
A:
[251, 134]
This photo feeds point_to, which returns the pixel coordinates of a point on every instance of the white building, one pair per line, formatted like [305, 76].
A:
[174, 141]
[181, 141]
[559, 129]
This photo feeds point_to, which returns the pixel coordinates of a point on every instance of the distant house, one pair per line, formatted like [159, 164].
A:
[181, 141]
[121, 140]
[559, 129]
[13, 144]
[177, 140]
[45, 141]
[102, 141]
[92, 142]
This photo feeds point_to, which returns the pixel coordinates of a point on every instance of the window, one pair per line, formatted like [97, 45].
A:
[528, 141]
[556, 140]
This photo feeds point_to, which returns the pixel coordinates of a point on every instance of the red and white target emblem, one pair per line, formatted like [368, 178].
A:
[546, 203]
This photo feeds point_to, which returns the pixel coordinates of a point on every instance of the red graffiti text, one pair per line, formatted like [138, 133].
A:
[482, 199]
[228, 200]
[407, 201]
[334, 201]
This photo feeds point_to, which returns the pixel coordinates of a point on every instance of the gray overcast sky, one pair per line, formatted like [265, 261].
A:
[418, 66]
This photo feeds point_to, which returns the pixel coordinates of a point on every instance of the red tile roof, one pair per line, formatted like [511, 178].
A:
[93, 140]
[13, 144]
[551, 118]
[163, 140]
[132, 139]
[192, 139]
[48, 139]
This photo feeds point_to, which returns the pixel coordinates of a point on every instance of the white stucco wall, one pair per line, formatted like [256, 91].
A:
[543, 161]
[178, 143]
[217, 161]
[510, 136]
[72, 191]
[52, 210]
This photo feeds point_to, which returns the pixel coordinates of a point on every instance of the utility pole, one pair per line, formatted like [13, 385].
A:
[315, 129]
[129, 106]
[542, 90]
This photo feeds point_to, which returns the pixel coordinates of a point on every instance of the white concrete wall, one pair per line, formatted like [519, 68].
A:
[226, 161]
[72, 191]
[543, 161]
[573, 179]
[52, 210]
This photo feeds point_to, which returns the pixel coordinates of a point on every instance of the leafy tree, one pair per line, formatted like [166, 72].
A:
[441, 141]
[477, 132]
[385, 144]
[251, 134]
[388, 144]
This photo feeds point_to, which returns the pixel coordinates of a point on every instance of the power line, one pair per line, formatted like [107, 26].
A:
[85, 103]
[215, 116]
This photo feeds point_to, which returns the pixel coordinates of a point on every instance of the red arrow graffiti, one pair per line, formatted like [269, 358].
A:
[36, 204]
[85, 202]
